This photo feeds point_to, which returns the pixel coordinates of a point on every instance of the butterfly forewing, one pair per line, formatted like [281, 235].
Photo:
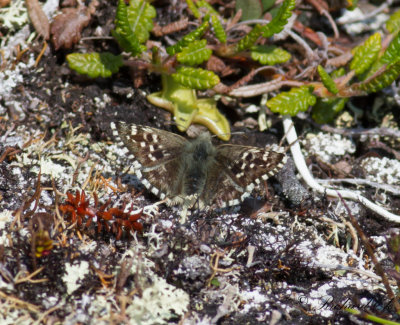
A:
[155, 153]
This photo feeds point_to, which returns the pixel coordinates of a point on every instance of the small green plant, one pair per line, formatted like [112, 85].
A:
[183, 71]
[180, 70]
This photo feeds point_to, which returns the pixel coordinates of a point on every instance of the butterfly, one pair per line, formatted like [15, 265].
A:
[189, 172]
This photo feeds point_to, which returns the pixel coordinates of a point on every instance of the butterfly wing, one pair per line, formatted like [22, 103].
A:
[155, 153]
[238, 170]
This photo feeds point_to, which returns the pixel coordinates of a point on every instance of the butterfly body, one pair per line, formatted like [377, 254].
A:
[196, 172]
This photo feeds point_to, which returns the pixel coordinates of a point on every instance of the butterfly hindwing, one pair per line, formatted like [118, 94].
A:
[242, 169]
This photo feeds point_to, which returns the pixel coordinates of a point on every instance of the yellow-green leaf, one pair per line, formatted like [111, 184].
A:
[366, 54]
[269, 55]
[293, 101]
[95, 64]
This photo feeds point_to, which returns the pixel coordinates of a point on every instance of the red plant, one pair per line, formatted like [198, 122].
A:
[113, 220]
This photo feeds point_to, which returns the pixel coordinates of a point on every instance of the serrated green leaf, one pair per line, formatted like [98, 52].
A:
[269, 55]
[140, 16]
[249, 40]
[277, 23]
[195, 53]
[128, 42]
[381, 79]
[95, 64]
[195, 78]
[338, 73]
[325, 110]
[393, 23]
[189, 38]
[327, 80]
[133, 24]
[218, 29]
[193, 8]
[366, 54]
[293, 101]
[392, 52]
[207, 6]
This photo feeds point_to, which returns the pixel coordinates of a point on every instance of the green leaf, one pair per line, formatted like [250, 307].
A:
[133, 24]
[251, 9]
[189, 38]
[393, 23]
[381, 79]
[95, 64]
[249, 40]
[277, 23]
[293, 101]
[269, 55]
[338, 73]
[140, 16]
[326, 109]
[218, 29]
[207, 6]
[366, 54]
[392, 52]
[267, 4]
[327, 80]
[193, 8]
[195, 78]
[214, 282]
[195, 53]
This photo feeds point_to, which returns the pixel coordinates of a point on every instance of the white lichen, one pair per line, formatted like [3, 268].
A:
[328, 146]
[382, 170]
[74, 274]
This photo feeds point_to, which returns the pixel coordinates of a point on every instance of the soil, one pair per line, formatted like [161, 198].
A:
[271, 259]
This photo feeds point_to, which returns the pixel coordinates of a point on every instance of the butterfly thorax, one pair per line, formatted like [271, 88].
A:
[198, 156]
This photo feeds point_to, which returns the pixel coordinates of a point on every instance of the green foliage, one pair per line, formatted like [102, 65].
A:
[195, 78]
[327, 80]
[195, 53]
[381, 79]
[207, 6]
[95, 64]
[277, 23]
[325, 110]
[269, 55]
[366, 54]
[392, 52]
[393, 23]
[192, 7]
[189, 38]
[293, 101]
[267, 4]
[251, 9]
[132, 25]
[218, 29]
[249, 40]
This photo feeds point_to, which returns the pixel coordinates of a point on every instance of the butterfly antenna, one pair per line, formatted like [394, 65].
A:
[230, 133]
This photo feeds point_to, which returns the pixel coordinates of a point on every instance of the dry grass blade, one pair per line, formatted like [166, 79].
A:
[38, 18]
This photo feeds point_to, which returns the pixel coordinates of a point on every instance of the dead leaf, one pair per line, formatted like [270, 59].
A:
[38, 18]
[67, 27]
[4, 3]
